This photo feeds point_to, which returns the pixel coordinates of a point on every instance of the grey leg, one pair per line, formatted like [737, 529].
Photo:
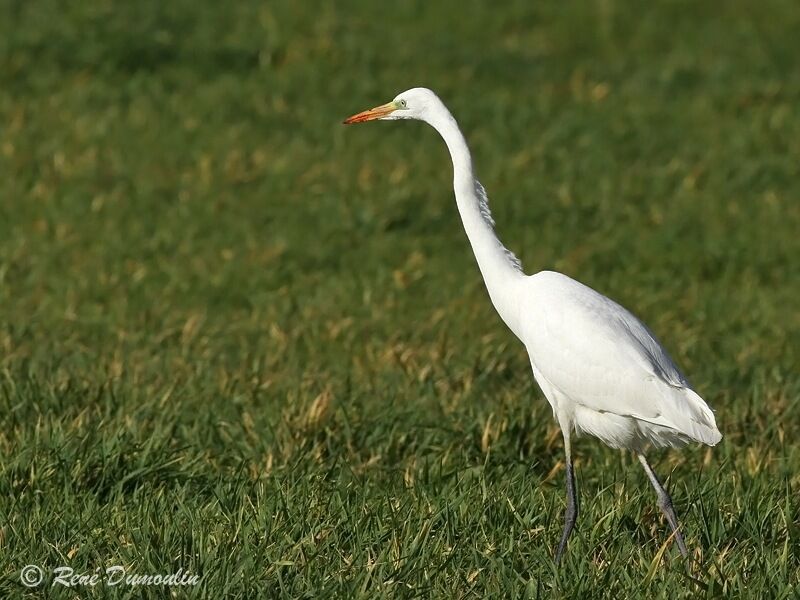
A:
[571, 514]
[665, 504]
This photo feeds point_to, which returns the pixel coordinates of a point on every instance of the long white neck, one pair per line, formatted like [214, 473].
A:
[501, 270]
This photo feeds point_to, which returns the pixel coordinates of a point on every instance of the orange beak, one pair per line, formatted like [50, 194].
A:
[372, 114]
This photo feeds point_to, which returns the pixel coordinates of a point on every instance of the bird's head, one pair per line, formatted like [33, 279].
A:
[415, 103]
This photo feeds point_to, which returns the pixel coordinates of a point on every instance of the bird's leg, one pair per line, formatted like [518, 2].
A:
[571, 514]
[665, 504]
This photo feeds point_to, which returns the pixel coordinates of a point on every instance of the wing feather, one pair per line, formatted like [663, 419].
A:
[600, 356]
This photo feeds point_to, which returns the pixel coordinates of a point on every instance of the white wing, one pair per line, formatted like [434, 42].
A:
[598, 355]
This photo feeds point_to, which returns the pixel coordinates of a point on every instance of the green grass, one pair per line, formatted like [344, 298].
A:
[240, 339]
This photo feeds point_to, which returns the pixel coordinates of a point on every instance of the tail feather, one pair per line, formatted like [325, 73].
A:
[691, 416]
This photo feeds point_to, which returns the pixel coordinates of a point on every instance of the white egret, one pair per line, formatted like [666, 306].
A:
[602, 370]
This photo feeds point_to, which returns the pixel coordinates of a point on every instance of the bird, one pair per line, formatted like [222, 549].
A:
[603, 371]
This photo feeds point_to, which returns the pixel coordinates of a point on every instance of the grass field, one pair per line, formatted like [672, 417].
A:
[242, 340]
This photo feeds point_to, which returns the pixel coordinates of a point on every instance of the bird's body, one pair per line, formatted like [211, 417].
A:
[602, 370]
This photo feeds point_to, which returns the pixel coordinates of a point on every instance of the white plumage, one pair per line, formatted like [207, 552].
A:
[602, 370]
